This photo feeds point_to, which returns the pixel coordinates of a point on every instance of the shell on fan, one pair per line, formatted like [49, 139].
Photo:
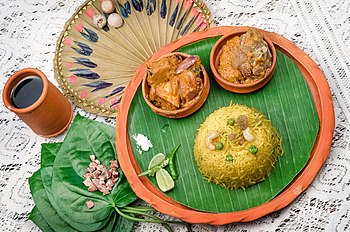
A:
[95, 62]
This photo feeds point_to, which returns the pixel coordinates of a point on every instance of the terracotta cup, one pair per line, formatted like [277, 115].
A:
[50, 115]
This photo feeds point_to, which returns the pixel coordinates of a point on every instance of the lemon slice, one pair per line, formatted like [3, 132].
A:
[164, 180]
[157, 159]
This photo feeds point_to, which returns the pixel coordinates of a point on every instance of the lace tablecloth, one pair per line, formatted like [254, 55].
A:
[28, 33]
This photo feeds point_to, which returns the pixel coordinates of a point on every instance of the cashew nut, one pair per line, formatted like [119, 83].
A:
[247, 135]
[209, 139]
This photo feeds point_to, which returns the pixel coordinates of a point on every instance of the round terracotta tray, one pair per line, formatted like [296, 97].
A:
[324, 106]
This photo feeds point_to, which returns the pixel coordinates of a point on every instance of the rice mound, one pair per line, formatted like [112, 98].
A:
[234, 166]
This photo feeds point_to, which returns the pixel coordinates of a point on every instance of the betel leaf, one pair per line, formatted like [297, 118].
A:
[83, 139]
[48, 154]
[36, 217]
[286, 100]
[123, 225]
[43, 204]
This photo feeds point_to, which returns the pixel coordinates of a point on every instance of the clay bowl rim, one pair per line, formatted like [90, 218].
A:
[14, 80]
[175, 113]
[240, 88]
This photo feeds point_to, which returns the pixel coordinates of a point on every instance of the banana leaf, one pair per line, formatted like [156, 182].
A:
[286, 100]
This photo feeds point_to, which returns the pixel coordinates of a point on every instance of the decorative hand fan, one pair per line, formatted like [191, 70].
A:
[94, 60]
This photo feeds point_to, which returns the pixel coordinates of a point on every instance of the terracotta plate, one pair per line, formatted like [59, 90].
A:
[323, 101]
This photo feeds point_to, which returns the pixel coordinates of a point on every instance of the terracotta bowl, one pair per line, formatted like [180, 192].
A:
[183, 112]
[239, 88]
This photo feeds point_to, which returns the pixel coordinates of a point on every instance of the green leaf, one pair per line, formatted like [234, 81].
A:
[123, 225]
[286, 100]
[43, 204]
[36, 217]
[84, 138]
[48, 155]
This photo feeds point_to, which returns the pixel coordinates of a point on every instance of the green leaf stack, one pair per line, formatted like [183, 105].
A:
[58, 190]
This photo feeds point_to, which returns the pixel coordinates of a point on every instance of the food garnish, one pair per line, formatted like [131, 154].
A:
[253, 149]
[142, 142]
[229, 158]
[247, 134]
[151, 171]
[209, 139]
[164, 180]
[231, 121]
[99, 178]
[219, 146]
[90, 204]
[172, 167]
[157, 159]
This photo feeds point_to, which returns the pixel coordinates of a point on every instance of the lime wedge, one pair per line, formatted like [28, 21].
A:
[157, 159]
[164, 180]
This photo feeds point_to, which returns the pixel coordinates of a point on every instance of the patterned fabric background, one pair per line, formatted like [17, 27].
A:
[28, 33]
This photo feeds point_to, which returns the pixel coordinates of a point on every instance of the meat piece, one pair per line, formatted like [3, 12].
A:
[162, 70]
[258, 54]
[242, 122]
[246, 58]
[189, 86]
[231, 58]
[90, 204]
[168, 91]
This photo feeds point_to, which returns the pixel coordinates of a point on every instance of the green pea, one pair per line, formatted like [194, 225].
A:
[231, 121]
[219, 146]
[253, 149]
[229, 158]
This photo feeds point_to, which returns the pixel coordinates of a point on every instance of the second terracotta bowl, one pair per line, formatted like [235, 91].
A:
[183, 112]
[240, 88]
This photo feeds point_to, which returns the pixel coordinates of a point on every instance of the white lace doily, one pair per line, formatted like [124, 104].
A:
[28, 33]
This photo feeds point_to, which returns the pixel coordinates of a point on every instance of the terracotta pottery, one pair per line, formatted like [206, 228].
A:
[322, 98]
[196, 103]
[50, 115]
[240, 88]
